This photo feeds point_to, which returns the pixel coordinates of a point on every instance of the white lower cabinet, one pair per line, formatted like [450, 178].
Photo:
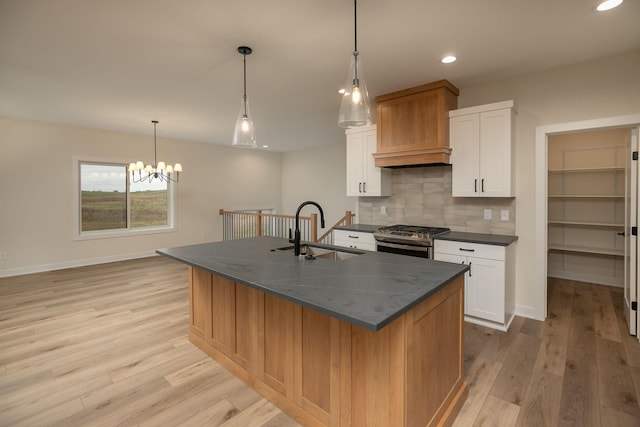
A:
[354, 239]
[489, 283]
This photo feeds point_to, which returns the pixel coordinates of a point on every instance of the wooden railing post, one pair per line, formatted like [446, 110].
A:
[314, 227]
[347, 218]
[259, 223]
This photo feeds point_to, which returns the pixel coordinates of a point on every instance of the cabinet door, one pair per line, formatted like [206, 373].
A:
[484, 289]
[456, 259]
[372, 185]
[465, 140]
[355, 165]
[495, 154]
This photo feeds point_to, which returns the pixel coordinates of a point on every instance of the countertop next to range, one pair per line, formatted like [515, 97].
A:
[460, 236]
[368, 290]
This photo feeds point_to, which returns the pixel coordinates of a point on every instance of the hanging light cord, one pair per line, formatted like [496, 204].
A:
[244, 60]
[155, 147]
[355, 41]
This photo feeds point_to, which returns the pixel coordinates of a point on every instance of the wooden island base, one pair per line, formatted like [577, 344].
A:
[323, 371]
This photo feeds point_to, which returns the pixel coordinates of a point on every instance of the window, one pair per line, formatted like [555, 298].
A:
[109, 204]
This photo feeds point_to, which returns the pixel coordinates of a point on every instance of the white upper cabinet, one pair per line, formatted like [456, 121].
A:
[482, 156]
[363, 177]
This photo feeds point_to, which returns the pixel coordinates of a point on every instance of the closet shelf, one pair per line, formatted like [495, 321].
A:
[587, 223]
[600, 169]
[586, 250]
[586, 196]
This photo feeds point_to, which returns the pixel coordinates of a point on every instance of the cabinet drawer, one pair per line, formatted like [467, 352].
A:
[354, 239]
[475, 250]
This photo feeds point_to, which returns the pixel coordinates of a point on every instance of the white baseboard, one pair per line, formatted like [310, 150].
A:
[76, 263]
[525, 311]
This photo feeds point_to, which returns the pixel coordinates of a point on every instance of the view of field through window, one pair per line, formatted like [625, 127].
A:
[104, 203]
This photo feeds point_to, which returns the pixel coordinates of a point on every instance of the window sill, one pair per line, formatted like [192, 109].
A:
[109, 234]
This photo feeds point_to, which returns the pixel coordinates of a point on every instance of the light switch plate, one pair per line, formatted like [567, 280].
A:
[383, 210]
[487, 214]
[504, 214]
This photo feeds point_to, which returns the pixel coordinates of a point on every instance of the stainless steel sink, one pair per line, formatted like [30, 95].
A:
[309, 251]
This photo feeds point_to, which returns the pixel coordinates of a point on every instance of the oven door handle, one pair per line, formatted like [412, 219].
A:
[400, 246]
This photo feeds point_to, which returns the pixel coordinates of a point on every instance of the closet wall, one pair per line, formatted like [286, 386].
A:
[586, 206]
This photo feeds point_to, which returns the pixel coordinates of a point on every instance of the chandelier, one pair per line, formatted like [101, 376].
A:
[159, 170]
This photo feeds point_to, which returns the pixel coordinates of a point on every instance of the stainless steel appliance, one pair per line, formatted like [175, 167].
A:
[407, 239]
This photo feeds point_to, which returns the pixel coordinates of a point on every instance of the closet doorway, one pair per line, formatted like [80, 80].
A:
[585, 196]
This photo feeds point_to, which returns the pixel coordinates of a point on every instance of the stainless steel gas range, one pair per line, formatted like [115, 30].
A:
[407, 239]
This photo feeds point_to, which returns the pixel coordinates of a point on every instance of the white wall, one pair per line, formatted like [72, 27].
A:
[597, 89]
[318, 174]
[36, 192]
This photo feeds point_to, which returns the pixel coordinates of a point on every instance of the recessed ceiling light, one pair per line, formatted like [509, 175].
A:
[448, 59]
[265, 146]
[608, 5]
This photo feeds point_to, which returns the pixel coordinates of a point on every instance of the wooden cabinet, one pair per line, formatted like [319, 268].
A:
[586, 207]
[483, 151]
[354, 239]
[323, 371]
[363, 177]
[489, 283]
[413, 126]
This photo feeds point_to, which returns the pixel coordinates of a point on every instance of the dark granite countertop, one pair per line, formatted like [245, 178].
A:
[368, 290]
[364, 228]
[485, 239]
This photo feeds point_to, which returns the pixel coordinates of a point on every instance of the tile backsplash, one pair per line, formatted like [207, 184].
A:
[422, 196]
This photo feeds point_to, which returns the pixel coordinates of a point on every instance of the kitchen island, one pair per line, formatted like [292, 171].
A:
[373, 339]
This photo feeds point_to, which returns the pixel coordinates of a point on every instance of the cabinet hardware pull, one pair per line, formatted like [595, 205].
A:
[475, 185]
[359, 187]
[470, 269]
[353, 237]
[482, 185]
[620, 234]
[467, 250]
[364, 187]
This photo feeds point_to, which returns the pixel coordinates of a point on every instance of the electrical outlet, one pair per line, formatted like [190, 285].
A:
[504, 214]
[487, 214]
[3, 255]
[383, 210]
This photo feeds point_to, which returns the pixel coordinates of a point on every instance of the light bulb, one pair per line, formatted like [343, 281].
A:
[356, 96]
[245, 124]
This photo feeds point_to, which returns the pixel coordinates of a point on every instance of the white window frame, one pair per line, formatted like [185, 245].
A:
[78, 234]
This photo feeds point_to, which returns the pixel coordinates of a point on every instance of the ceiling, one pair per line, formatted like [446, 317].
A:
[118, 64]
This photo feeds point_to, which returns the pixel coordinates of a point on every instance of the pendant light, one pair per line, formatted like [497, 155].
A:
[159, 170]
[244, 133]
[355, 109]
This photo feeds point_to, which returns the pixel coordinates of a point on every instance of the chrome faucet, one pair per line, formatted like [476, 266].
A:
[296, 237]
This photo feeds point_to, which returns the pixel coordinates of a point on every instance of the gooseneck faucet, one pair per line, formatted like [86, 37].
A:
[296, 238]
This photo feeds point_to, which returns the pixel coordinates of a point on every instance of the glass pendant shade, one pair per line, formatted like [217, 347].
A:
[244, 133]
[355, 109]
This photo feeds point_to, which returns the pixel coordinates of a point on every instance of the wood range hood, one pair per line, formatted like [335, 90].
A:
[413, 125]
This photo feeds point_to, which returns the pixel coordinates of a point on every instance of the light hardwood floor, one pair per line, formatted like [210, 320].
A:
[106, 345]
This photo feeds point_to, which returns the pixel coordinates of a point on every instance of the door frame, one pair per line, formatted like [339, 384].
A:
[540, 205]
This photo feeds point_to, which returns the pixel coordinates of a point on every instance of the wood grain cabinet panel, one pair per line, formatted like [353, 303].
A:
[223, 304]
[278, 344]
[249, 328]
[326, 372]
[199, 296]
[413, 125]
